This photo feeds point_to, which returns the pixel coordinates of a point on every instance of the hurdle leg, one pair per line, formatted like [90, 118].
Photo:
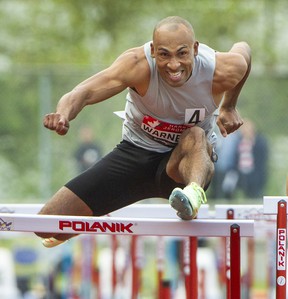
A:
[227, 250]
[190, 267]
[235, 262]
[281, 257]
[166, 290]
[193, 275]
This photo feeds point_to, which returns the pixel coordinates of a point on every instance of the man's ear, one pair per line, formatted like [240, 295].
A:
[195, 47]
[152, 50]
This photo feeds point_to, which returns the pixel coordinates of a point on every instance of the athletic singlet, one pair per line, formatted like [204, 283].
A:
[156, 120]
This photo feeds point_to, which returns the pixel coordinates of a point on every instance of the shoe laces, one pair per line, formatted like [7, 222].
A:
[200, 191]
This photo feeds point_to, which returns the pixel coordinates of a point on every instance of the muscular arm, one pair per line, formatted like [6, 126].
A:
[242, 62]
[129, 70]
[231, 74]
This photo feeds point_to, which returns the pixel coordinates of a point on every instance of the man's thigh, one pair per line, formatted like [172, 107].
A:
[124, 176]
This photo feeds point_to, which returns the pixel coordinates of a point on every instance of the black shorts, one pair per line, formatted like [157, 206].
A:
[124, 176]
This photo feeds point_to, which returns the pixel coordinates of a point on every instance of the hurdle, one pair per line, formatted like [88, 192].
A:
[137, 210]
[263, 224]
[277, 205]
[122, 226]
[117, 224]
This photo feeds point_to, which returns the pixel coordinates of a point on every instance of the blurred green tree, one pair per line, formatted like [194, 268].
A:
[65, 41]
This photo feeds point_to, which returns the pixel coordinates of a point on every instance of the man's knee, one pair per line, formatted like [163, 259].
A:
[193, 137]
[66, 202]
[194, 131]
[192, 148]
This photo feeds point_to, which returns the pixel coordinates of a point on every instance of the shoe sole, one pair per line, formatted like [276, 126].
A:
[51, 242]
[181, 204]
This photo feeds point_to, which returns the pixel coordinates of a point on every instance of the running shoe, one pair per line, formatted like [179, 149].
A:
[51, 242]
[187, 201]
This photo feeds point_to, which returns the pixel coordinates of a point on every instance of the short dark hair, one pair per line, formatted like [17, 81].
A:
[173, 20]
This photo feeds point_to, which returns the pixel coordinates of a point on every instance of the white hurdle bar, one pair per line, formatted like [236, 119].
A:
[263, 221]
[277, 205]
[113, 224]
[117, 225]
[255, 212]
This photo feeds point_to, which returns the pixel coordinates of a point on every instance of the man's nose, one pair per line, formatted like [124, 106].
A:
[173, 63]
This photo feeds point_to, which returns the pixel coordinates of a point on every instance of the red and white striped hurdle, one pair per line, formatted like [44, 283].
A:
[277, 205]
[264, 227]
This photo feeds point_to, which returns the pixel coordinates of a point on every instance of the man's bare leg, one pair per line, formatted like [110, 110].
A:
[190, 164]
[64, 202]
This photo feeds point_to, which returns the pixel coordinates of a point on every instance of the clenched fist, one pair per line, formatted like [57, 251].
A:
[56, 122]
[228, 121]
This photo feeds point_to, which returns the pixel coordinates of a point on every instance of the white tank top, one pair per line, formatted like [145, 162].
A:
[156, 120]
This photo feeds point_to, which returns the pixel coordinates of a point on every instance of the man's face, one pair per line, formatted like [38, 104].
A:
[174, 50]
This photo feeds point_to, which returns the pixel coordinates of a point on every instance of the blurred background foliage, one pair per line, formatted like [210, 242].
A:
[47, 47]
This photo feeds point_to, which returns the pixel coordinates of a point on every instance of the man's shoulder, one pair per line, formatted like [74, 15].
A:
[231, 59]
[229, 67]
[134, 68]
[136, 54]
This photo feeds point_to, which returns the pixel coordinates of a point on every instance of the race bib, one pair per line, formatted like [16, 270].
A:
[162, 132]
[167, 133]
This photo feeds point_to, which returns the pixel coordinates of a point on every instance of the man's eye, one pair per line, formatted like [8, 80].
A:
[163, 54]
[183, 53]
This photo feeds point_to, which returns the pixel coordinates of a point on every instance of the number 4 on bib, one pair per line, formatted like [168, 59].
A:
[194, 116]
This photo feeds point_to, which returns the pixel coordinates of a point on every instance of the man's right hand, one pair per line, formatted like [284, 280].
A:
[56, 122]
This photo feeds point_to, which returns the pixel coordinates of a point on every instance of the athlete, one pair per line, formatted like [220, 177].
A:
[175, 87]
